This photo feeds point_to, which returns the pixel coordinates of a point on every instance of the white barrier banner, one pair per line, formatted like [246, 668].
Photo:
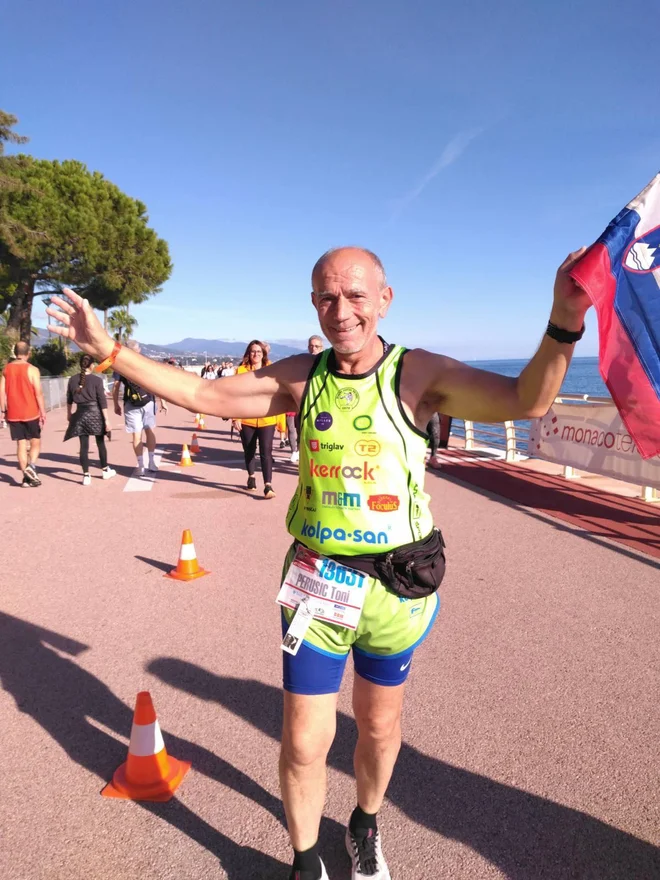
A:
[593, 438]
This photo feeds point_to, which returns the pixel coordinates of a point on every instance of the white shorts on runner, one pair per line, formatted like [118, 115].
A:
[137, 418]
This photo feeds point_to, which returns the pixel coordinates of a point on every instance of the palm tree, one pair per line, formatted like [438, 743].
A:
[121, 322]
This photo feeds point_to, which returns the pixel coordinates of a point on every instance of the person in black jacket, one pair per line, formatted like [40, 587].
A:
[86, 391]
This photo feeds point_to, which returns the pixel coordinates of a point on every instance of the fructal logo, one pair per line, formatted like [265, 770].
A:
[362, 423]
[368, 448]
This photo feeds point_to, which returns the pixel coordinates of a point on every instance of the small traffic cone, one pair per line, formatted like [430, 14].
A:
[187, 568]
[186, 460]
[194, 446]
[197, 418]
[149, 773]
[201, 423]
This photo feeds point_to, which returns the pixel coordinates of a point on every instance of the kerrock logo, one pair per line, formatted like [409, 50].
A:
[346, 471]
[383, 503]
[368, 448]
[318, 445]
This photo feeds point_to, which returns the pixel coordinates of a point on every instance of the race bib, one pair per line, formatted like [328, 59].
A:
[333, 592]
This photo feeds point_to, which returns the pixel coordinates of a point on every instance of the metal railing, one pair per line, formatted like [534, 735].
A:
[510, 440]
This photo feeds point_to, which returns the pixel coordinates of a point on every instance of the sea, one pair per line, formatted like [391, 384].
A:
[582, 377]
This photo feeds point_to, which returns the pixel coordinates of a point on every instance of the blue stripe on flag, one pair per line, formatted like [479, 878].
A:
[638, 306]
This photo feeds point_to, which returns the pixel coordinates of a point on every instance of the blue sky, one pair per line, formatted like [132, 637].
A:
[472, 145]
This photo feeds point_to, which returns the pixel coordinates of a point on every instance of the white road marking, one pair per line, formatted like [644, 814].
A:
[136, 483]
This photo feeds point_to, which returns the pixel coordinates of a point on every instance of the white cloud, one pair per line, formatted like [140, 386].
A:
[451, 153]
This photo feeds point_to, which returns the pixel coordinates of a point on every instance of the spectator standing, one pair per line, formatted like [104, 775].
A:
[90, 417]
[22, 404]
[139, 416]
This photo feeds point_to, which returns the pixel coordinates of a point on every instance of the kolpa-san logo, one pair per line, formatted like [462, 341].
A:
[643, 255]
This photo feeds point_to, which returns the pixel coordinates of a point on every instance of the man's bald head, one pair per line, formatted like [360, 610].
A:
[22, 349]
[360, 253]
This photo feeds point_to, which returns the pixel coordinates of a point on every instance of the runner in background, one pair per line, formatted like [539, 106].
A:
[22, 404]
[261, 430]
[90, 418]
[139, 416]
[315, 345]
[439, 429]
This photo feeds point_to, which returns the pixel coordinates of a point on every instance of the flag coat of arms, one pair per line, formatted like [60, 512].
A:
[621, 275]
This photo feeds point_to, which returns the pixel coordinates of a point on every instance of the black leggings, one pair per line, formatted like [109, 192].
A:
[249, 437]
[84, 451]
[439, 429]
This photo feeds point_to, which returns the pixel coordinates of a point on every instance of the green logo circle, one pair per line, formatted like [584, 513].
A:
[362, 423]
[347, 399]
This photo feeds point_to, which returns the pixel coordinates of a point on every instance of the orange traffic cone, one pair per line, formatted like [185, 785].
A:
[149, 773]
[194, 446]
[186, 460]
[201, 423]
[187, 568]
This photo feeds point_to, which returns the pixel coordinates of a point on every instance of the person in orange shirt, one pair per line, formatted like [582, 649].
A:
[22, 402]
[261, 430]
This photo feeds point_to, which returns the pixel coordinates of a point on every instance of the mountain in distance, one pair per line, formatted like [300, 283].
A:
[228, 348]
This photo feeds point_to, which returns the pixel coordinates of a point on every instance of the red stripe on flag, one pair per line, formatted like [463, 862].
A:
[633, 394]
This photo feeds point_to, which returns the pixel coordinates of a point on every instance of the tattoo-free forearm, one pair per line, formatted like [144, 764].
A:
[541, 380]
[161, 380]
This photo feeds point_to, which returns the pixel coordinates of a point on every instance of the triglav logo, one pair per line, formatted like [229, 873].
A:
[317, 445]
[368, 448]
[347, 399]
[347, 471]
[357, 536]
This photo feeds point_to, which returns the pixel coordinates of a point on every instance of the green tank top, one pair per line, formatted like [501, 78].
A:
[362, 463]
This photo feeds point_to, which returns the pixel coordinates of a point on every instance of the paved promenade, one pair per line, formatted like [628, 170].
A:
[532, 726]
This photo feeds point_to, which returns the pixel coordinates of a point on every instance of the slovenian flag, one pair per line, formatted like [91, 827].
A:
[621, 275]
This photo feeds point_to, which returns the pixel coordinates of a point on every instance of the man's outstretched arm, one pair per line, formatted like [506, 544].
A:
[469, 393]
[249, 395]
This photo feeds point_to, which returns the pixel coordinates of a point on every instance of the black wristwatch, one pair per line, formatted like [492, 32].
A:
[560, 335]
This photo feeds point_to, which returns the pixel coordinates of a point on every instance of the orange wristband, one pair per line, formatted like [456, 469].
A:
[109, 361]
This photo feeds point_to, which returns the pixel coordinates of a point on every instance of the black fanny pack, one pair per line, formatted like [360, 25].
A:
[413, 570]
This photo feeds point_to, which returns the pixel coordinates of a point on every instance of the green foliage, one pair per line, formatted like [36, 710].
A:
[7, 122]
[6, 344]
[91, 237]
[123, 323]
[52, 358]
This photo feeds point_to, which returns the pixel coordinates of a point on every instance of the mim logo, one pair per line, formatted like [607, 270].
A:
[340, 499]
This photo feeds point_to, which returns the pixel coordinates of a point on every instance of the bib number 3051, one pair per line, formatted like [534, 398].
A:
[339, 574]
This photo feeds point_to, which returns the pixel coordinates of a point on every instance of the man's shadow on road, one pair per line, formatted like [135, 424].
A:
[526, 836]
[61, 696]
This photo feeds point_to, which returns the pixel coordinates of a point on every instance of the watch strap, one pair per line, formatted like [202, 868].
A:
[561, 335]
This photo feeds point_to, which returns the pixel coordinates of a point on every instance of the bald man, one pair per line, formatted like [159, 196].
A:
[362, 574]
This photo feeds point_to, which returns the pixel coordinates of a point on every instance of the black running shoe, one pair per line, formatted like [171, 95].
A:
[252, 483]
[28, 483]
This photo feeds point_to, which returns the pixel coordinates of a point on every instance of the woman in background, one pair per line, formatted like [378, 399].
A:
[257, 430]
[86, 391]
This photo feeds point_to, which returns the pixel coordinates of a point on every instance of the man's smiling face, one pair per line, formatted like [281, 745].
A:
[350, 297]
